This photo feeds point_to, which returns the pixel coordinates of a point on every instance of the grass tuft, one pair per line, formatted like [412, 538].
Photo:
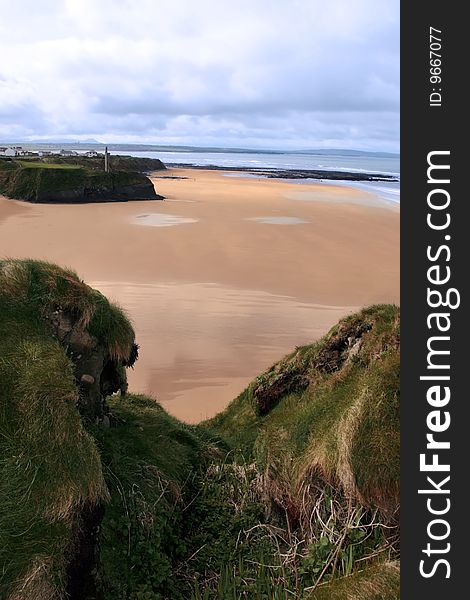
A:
[379, 582]
[49, 465]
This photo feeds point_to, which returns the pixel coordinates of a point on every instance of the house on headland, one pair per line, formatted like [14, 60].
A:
[11, 151]
[28, 153]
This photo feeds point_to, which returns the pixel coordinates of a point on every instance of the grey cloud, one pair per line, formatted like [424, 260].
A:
[298, 73]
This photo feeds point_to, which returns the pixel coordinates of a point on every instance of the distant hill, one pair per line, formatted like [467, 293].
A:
[123, 147]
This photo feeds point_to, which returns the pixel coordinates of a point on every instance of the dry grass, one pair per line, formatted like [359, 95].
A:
[327, 444]
[343, 427]
[37, 583]
[380, 582]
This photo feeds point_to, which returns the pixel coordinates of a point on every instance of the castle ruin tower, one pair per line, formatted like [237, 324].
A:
[106, 160]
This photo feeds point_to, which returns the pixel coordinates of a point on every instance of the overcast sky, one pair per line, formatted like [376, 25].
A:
[260, 73]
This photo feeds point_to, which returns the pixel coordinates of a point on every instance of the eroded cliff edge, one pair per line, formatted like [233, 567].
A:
[42, 182]
[295, 486]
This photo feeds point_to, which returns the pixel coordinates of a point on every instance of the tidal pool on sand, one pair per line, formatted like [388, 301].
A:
[161, 220]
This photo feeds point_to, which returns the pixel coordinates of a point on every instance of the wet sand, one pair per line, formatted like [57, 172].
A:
[223, 277]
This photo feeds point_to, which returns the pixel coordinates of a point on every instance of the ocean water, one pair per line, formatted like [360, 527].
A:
[387, 190]
[363, 163]
[324, 160]
[293, 161]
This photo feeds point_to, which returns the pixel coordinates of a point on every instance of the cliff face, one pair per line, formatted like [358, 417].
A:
[68, 184]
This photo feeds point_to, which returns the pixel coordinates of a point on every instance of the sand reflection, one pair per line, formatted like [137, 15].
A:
[161, 220]
[201, 344]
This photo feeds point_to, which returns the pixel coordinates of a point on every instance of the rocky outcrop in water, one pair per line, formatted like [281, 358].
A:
[273, 173]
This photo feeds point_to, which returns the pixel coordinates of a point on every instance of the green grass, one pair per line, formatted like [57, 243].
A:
[49, 465]
[42, 287]
[189, 521]
[36, 164]
[343, 427]
[117, 163]
[7, 165]
[284, 495]
[322, 426]
[30, 180]
[112, 326]
[149, 460]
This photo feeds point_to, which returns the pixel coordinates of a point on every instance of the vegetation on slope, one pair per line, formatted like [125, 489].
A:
[379, 582]
[291, 492]
[322, 427]
[116, 162]
[50, 468]
[179, 509]
[334, 412]
[304, 504]
[148, 461]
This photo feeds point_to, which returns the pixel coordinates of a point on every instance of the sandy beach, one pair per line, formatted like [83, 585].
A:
[224, 276]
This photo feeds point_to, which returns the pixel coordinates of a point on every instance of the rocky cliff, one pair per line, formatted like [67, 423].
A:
[41, 183]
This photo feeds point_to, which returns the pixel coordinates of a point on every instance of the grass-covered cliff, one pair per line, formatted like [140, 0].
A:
[118, 162]
[50, 468]
[291, 492]
[328, 412]
[37, 181]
